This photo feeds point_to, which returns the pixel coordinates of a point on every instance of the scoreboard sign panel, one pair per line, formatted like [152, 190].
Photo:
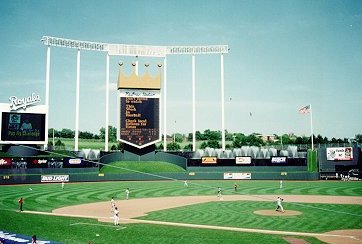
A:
[139, 120]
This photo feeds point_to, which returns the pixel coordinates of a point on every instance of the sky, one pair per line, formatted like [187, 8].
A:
[284, 54]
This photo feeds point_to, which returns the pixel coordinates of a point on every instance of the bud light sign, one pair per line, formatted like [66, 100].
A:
[54, 178]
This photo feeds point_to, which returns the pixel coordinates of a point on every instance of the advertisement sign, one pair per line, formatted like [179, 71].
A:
[279, 160]
[54, 178]
[209, 160]
[339, 153]
[55, 163]
[237, 176]
[5, 163]
[243, 160]
[19, 163]
[75, 161]
[39, 163]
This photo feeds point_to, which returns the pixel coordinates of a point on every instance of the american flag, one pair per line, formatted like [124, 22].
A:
[304, 110]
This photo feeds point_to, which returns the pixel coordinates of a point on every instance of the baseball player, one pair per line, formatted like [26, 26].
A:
[280, 184]
[279, 205]
[219, 193]
[21, 202]
[185, 183]
[62, 185]
[116, 217]
[113, 205]
[127, 193]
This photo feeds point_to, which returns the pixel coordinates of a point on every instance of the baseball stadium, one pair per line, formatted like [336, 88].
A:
[145, 194]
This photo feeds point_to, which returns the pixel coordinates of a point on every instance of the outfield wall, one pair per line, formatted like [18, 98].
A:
[94, 177]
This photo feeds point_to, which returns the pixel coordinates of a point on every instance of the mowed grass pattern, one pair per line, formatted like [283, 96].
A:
[315, 217]
[45, 197]
[146, 167]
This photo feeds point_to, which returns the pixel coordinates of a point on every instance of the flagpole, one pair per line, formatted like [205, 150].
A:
[311, 125]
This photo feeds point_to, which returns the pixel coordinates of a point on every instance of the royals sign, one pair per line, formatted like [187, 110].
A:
[22, 103]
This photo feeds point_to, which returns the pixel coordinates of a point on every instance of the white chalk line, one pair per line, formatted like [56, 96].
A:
[109, 226]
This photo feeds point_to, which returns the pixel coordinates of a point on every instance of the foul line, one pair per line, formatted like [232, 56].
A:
[109, 226]
[273, 232]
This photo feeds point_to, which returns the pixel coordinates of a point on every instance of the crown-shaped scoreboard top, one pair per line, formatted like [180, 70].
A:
[135, 81]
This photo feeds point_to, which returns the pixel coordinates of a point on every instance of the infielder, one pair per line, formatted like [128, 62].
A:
[116, 218]
[279, 205]
[113, 205]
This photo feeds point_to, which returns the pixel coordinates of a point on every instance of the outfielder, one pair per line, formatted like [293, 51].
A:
[127, 193]
[219, 193]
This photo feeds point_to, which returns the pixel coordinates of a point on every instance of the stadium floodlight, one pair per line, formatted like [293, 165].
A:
[134, 50]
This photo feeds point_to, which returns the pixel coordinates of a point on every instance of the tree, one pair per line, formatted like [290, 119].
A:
[160, 147]
[229, 136]
[254, 140]
[50, 133]
[212, 135]
[239, 141]
[174, 146]
[203, 145]
[358, 138]
[188, 147]
[179, 137]
[213, 144]
[112, 133]
[85, 135]
[199, 136]
[67, 133]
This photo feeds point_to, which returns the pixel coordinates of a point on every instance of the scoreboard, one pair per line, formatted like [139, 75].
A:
[22, 127]
[139, 120]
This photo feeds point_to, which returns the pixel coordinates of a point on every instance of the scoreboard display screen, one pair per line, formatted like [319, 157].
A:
[139, 120]
[22, 127]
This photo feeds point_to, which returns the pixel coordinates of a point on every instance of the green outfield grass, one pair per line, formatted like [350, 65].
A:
[45, 197]
[147, 167]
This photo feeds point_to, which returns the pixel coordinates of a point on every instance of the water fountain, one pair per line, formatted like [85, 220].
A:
[245, 151]
[292, 151]
[254, 151]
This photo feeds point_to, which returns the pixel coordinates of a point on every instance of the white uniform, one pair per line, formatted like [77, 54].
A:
[279, 205]
[62, 185]
[185, 183]
[113, 204]
[127, 193]
[116, 217]
[281, 184]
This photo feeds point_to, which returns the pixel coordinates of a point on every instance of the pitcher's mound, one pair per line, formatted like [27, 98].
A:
[277, 213]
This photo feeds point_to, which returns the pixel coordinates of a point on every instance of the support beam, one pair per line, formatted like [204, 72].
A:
[106, 135]
[193, 104]
[164, 104]
[76, 136]
[47, 85]
[222, 104]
